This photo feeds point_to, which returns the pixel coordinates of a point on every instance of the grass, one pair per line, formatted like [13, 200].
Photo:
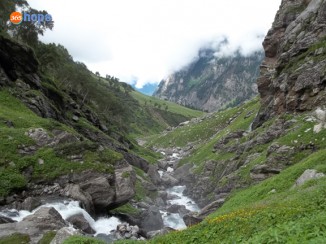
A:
[82, 240]
[125, 209]
[16, 238]
[47, 237]
[145, 100]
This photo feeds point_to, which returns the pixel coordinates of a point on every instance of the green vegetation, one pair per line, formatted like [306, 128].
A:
[47, 237]
[16, 238]
[125, 209]
[172, 107]
[82, 240]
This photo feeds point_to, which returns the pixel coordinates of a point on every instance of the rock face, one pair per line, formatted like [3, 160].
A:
[210, 82]
[292, 76]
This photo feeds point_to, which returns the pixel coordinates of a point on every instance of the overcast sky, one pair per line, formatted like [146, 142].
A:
[146, 40]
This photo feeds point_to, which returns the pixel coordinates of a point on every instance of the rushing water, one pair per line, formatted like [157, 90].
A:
[174, 220]
[67, 209]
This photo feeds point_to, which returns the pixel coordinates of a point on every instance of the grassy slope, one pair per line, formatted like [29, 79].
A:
[203, 135]
[256, 215]
[172, 107]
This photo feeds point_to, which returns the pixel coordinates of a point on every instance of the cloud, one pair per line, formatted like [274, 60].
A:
[148, 39]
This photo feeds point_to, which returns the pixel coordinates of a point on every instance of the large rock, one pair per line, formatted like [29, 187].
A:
[261, 172]
[191, 219]
[151, 220]
[101, 191]
[63, 234]
[183, 173]
[309, 174]
[210, 208]
[168, 180]
[154, 175]
[85, 199]
[43, 220]
[79, 222]
[30, 203]
[125, 180]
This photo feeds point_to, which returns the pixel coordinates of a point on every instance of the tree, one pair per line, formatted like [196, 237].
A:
[6, 8]
[28, 31]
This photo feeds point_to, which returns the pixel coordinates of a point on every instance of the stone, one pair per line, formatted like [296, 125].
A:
[30, 203]
[168, 180]
[191, 219]
[100, 190]
[79, 222]
[75, 118]
[151, 220]
[63, 234]
[125, 180]
[5, 220]
[307, 175]
[74, 191]
[210, 208]
[154, 175]
[42, 221]
[260, 172]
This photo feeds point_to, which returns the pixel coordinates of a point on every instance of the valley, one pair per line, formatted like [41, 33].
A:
[87, 159]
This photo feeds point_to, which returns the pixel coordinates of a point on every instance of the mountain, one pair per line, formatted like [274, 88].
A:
[211, 82]
[253, 173]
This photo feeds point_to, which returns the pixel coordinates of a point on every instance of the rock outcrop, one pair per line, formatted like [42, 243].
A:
[292, 76]
[212, 82]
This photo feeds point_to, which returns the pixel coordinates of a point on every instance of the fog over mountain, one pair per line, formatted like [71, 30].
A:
[134, 38]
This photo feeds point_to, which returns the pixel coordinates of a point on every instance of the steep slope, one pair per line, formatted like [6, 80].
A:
[292, 76]
[211, 83]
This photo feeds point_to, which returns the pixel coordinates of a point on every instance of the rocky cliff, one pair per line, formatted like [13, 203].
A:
[292, 76]
[211, 83]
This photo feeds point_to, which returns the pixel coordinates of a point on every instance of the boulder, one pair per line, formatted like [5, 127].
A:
[85, 199]
[63, 234]
[5, 220]
[154, 175]
[263, 171]
[168, 180]
[43, 220]
[101, 191]
[183, 173]
[191, 219]
[151, 220]
[210, 208]
[30, 204]
[125, 180]
[162, 164]
[79, 222]
[152, 234]
[309, 174]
